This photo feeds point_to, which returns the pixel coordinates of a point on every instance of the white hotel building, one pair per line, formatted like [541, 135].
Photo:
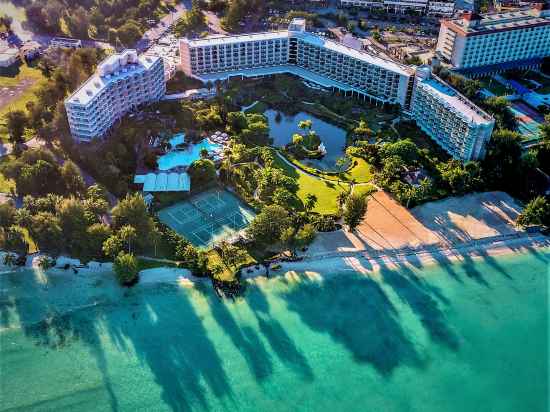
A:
[121, 83]
[439, 7]
[490, 43]
[450, 119]
[298, 52]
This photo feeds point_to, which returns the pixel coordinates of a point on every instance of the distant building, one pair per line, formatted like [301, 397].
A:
[460, 127]
[454, 122]
[121, 83]
[66, 42]
[481, 44]
[8, 56]
[440, 7]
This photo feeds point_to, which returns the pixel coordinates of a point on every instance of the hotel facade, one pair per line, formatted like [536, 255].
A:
[450, 119]
[439, 8]
[479, 45]
[121, 83]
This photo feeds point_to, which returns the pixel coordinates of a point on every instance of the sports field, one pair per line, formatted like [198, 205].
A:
[208, 217]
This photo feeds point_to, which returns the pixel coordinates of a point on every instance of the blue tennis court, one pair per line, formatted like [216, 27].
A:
[208, 218]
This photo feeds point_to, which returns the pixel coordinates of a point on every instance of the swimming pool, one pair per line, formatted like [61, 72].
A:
[187, 156]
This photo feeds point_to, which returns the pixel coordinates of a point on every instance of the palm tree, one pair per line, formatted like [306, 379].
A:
[155, 236]
[310, 202]
[341, 163]
[127, 234]
[341, 198]
[305, 124]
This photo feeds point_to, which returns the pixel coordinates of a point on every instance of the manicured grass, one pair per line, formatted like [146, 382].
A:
[326, 192]
[364, 189]
[11, 78]
[5, 183]
[360, 173]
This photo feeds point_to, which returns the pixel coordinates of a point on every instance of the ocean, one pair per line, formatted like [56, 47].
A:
[468, 336]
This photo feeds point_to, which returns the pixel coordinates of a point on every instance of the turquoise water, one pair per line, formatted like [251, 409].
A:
[333, 137]
[455, 337]
[185, 157]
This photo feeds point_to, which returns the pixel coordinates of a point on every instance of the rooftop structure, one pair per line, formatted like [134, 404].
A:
[121, 83]
[480, 44]
[66, 42]
[164, 182]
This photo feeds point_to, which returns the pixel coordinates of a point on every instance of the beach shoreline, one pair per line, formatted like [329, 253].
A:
[363, 261]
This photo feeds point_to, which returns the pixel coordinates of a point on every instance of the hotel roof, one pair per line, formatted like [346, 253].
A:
[456, 101]
[115, 68]
[501, 22]
[306, 37]
[164, 182]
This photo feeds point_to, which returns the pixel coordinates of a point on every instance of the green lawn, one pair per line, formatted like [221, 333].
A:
[11, 78]
[5, 183]
[326, 192]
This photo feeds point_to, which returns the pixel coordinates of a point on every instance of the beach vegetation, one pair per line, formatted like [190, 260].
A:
[269, 224]
[192, 258]
[7, 215]
[535, 212]
[126, 269]
[354, 210]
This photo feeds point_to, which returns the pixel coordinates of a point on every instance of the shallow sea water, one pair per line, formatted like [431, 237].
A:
[470, 336]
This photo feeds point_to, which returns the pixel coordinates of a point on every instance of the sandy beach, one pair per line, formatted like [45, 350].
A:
[317, 266]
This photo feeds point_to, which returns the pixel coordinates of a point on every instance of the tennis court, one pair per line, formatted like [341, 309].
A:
[208, 217]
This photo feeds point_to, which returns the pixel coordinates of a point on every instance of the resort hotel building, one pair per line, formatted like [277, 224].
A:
[439, 7]
[455, 123]
[482, 44]
[298, 52]
[121, 83]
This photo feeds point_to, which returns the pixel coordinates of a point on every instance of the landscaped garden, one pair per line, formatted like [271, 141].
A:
[18, 85]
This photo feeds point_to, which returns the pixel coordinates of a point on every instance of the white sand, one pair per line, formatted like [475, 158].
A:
[318, 266]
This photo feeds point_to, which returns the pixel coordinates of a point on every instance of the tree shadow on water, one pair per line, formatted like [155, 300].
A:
[159, 326]
[245, 339]
[413, 292]
[51, 324]
[169, 337]
[276, 335]
[358, 314]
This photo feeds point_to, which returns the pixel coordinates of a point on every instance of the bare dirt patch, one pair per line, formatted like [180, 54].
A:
[452, 221]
